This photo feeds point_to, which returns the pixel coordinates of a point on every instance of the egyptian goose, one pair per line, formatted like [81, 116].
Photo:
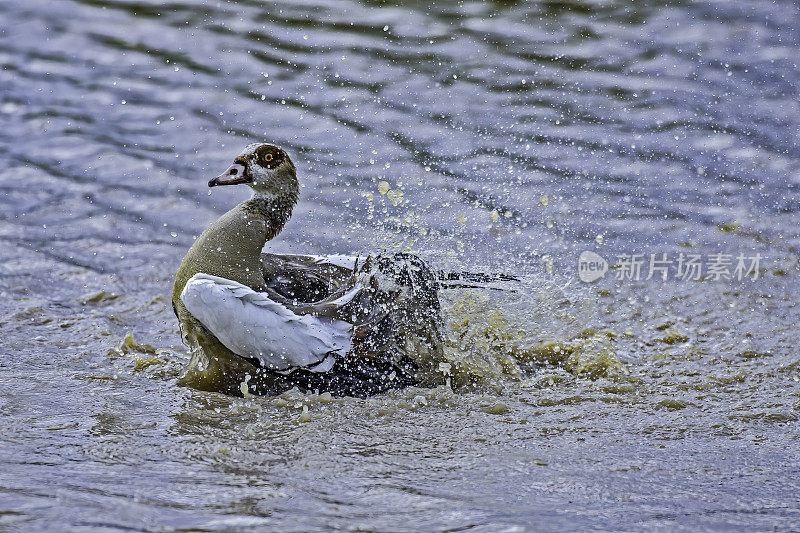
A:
[261, 323]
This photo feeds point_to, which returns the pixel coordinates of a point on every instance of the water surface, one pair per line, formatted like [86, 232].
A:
[500, 135]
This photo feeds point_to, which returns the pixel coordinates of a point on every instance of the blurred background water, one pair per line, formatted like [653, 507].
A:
[499, 135]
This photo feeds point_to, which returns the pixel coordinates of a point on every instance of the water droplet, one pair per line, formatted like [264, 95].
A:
[396, 196]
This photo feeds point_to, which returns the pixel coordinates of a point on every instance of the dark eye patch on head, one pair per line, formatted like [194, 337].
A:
[269, 156]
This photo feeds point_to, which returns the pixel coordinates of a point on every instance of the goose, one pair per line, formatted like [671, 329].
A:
[262, 323]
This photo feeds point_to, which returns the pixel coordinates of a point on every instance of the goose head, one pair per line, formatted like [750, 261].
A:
[266, 168]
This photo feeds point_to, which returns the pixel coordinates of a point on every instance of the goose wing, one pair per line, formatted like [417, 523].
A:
[252, 325]
[386, 297]
[308, 278]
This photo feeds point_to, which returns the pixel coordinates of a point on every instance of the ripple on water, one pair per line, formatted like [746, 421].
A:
[646, 127]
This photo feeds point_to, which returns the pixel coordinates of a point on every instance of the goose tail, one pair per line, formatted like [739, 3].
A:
[476, 280]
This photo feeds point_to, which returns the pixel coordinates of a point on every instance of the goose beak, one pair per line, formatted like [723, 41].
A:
[235, 175]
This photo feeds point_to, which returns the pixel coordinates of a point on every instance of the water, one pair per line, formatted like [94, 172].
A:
[519, 134]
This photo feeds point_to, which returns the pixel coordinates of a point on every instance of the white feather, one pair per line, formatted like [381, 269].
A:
[251, 325]
[343, 261]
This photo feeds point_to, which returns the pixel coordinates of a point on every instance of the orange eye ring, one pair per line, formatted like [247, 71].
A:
[268, 158]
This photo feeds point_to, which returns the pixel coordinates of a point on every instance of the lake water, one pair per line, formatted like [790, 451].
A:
[496, 136]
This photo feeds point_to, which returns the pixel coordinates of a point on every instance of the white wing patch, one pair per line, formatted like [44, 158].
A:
[251, 325]
[342, 261]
